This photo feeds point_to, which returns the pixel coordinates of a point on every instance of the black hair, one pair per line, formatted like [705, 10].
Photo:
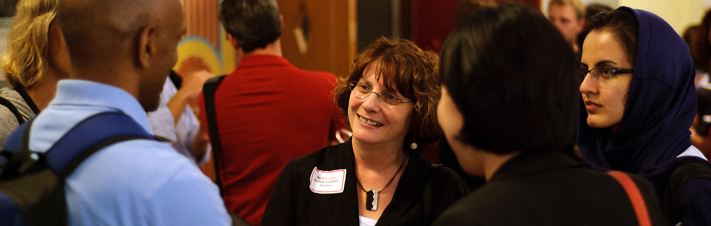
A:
[590, 11]
[623, 25]
[254, 23]
[513, 77]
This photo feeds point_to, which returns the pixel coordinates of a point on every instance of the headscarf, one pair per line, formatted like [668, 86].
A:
[660, 108]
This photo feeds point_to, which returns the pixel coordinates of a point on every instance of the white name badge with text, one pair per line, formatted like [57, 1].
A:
[327, 182]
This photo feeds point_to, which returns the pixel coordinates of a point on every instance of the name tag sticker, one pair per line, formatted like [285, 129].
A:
[327, 182]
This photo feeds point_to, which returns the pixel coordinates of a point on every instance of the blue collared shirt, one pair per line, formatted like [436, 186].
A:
[137, 182]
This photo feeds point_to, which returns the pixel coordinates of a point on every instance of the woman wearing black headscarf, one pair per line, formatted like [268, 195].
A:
[640, 101]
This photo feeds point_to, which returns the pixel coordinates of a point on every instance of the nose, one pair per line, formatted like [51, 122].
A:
[371, 103]
[588, 86]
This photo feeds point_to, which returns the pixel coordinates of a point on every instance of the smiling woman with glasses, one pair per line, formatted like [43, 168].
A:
[364, 91]
[389, 98]
[639, 103]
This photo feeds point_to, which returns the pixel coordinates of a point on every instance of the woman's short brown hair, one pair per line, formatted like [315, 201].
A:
[26, 62]
[408, 69]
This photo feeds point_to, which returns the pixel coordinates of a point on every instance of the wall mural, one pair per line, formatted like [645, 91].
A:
[205, 46]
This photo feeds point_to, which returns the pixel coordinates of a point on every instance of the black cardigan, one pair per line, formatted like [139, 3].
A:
[293, 203]
[549, 188]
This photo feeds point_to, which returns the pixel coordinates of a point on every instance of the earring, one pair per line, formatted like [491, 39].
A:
[413, 145]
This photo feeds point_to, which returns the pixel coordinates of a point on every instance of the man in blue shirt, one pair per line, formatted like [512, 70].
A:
[121, 53]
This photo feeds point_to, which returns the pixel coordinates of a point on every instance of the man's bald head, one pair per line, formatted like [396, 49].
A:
[97, 27]
[130, 44]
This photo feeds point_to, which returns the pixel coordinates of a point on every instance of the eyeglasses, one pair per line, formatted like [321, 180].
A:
[605, 72]
[363, 91]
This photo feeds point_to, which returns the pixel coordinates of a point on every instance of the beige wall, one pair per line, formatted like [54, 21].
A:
[4, 26]
[680, 14]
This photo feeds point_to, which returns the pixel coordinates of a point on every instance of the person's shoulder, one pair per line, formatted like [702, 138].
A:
[16, 99]
[316, 75]
[7, 92]
[462, 212]
[143, 160]
[444, 172]
[326, 155]
[8, 123]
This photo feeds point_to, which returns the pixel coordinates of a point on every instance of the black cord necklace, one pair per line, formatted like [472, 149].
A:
[371, 201]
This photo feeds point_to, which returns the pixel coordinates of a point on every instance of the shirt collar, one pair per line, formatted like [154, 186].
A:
[71, 92]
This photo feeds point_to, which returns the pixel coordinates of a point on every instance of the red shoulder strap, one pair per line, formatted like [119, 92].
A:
[640, 208]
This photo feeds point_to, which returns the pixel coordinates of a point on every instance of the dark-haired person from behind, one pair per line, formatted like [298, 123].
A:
[509, 115]
[267, 110]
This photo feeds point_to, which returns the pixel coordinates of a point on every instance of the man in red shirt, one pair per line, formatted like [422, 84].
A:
[268, 111]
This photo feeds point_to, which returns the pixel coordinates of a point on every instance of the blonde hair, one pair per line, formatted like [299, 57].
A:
[25, 62]
[577, 5]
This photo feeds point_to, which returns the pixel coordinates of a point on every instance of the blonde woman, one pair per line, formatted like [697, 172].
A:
[35, 60]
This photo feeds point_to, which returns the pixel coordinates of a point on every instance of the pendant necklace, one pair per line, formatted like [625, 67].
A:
[371, 201]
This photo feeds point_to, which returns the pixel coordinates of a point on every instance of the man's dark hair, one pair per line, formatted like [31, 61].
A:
[623, 25]
[254, 23]
[513, 77]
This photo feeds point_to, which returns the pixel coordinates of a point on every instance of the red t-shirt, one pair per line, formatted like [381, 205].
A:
[269, 112]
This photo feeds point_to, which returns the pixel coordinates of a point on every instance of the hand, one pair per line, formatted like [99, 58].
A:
[192, 84]
[192, 65]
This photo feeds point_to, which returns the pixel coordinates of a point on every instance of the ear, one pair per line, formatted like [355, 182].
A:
[233, 41]
[146, 46]
[581, 24]
[58, 54]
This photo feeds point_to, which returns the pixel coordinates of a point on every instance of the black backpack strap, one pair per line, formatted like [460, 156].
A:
[208, 91]
[16, 150]
[175, 79]
[688, 170]
[13, 109]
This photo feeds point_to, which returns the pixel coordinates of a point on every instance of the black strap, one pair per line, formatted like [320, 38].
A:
[13, 109]
[208, 91]
[688, 170]
[427, 193]
[175, 79]
[12, 167]
[28, 100]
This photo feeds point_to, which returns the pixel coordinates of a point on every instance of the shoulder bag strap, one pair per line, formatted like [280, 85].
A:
[208, 91]
[13, 109]
[640, 208]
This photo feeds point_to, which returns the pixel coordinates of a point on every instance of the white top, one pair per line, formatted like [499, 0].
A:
[692, 151]
[364, 221]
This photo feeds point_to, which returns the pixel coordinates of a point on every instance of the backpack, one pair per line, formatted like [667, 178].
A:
[208, 92]
[688, 170]
[32, 183]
